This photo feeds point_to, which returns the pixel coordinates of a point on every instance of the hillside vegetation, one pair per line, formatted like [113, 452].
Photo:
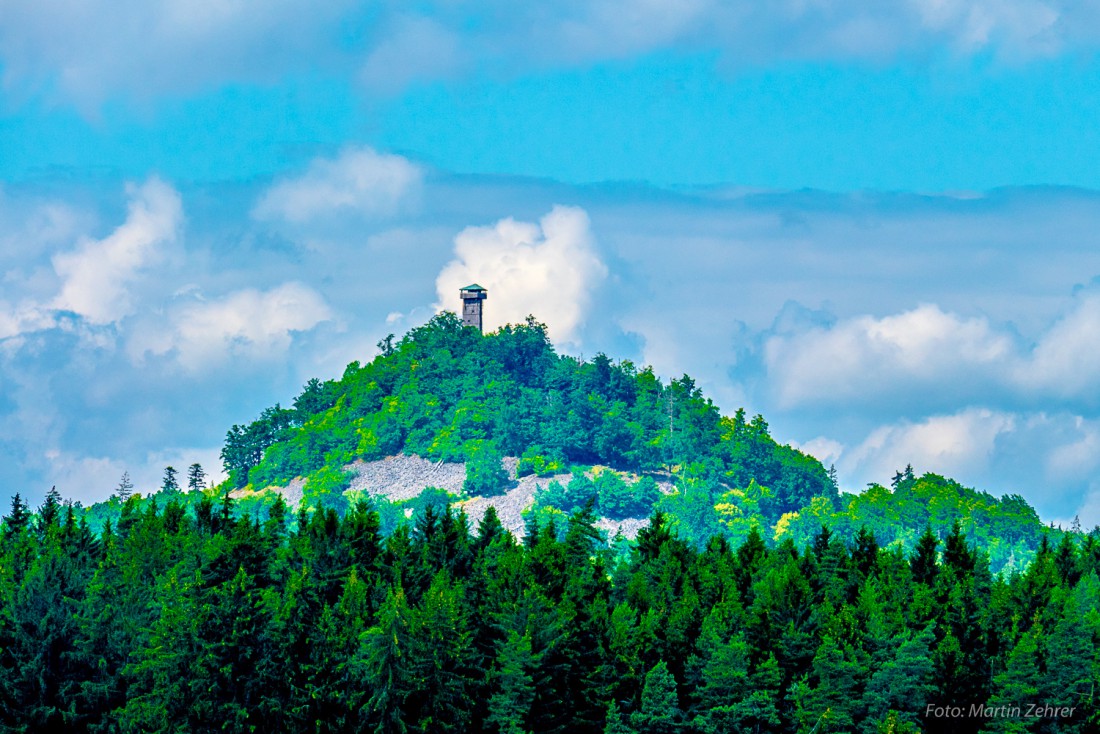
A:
[755, 598]
[449, 393]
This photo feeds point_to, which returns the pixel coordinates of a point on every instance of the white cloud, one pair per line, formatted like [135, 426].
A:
[415, 48]
[1080, 456]
[89, 51]
[87, 479]
[549, 269]
[863, 357]
[94, 50]
[359, 180]
[928, 355]
[1066, 361]
[1030, 25]
[248, 324]
[688, 281]
[956, 445]
[822, 448]
[95, 277]
[148, 475]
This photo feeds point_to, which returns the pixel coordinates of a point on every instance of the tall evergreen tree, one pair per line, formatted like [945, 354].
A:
[18, 517]
[125, 487]
[387, 668]
[659, 712]
[514, 687]
[169, 483]
[196, 477]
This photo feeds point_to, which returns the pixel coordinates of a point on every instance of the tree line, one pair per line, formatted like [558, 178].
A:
[183, 616]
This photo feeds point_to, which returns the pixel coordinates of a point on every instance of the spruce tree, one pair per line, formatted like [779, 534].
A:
[615, 723]
[1017, 685]
[169, 483]
[440, 649]
[923, 563]
[659, 712]
[18, 517]
[514, 688]
[50, 511]
[125, 487]
[1072, 655]
[903, 685]
[195, 477]
[386, 666]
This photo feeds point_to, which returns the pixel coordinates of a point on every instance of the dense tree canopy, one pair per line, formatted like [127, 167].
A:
[448, 392]
[756, 598]
[182, 617]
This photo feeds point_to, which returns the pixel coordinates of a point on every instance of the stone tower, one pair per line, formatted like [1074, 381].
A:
[472, 296]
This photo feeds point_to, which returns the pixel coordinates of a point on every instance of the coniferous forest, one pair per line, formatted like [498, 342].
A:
[757, 598]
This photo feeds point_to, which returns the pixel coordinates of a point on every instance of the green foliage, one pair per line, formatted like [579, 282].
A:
[452, 394]
[485, 472]
[444, 392]
[186, 612]
[660, 710]
[619, 499]
[756, 599]
[534, 461]
[513, 684]
[609, 493]
[325, 488]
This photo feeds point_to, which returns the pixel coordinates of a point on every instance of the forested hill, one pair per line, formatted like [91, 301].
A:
[755, 599]
[449, 393]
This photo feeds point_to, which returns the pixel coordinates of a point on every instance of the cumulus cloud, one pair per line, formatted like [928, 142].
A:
[359, 181]
[1066, 361]
[990, 380]
[1049, 458]
[95, 277]
[864, 357]
[87, 479]
[549, 269]
[929, 356]
[956, 445]
[248, 324]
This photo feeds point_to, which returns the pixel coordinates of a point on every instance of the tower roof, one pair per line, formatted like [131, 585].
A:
[474, 287]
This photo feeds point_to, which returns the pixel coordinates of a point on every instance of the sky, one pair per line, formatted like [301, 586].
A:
[875, 223]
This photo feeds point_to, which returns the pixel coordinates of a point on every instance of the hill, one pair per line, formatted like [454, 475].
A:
[755, 597]
[601, 431]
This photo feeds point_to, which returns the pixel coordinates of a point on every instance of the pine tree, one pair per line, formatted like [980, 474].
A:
[923, 563]
[659, 712]
[441, 645]
[1018, 684]
[732, 700]
[903, 685]
[18, 518]
[489, 528]
[125, 487]
[830, 692]
[50, 511]
[515, 691]
[195, 477]
[615, 724]
[386, 666]
[1073, 659]
[169, 484]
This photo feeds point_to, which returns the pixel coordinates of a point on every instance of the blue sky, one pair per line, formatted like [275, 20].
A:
[876, 223]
